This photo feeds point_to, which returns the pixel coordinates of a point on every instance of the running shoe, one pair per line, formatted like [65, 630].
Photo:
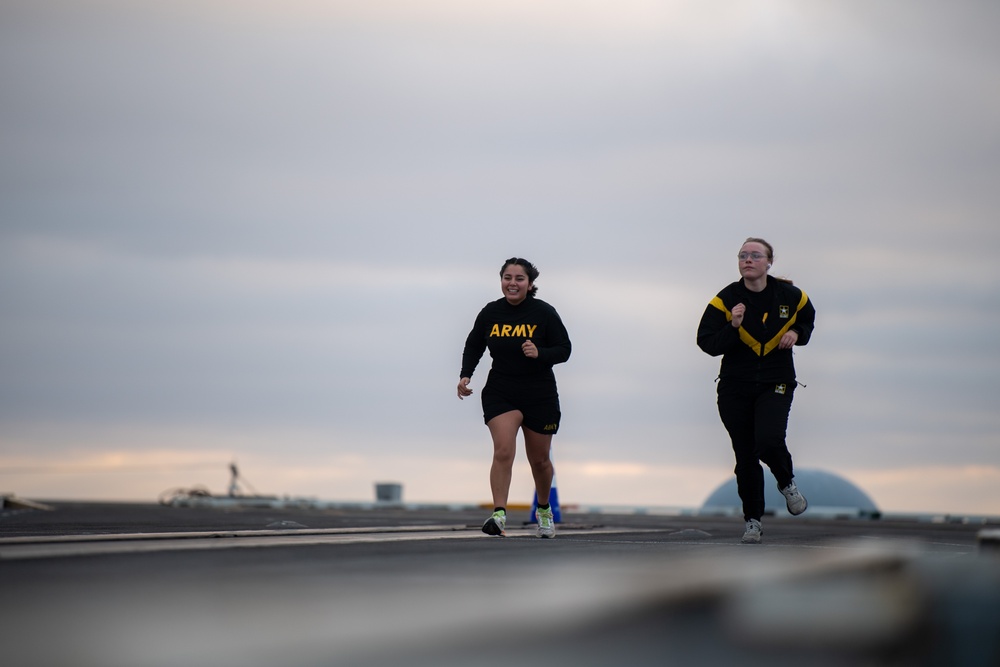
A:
[546, 522]
[753, 533]
[495, 524]
[795, 501]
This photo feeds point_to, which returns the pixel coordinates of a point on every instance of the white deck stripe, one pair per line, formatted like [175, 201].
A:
[92, 545]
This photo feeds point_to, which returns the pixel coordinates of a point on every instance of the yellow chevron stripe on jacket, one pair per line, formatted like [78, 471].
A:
[752, 342]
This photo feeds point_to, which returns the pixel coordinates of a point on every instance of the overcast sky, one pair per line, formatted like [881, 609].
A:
[261, 231]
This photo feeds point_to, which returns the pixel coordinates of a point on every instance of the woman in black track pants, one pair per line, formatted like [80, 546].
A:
[753, 324]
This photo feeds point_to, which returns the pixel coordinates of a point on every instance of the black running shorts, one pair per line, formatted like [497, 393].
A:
[537, 401]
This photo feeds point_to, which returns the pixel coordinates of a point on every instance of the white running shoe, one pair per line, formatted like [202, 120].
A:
[496, 524]
[795, 501]
[546, 523]
[753, 532]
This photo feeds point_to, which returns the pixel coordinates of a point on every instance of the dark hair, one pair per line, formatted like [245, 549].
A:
[528, 267]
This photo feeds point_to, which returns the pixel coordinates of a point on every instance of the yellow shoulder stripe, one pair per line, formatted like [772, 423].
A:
[717, 303]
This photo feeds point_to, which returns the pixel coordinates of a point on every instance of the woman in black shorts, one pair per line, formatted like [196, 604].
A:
[526, 338]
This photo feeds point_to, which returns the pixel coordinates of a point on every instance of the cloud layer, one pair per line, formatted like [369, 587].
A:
[262, 232]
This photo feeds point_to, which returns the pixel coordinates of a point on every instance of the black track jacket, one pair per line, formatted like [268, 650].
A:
[751, 352]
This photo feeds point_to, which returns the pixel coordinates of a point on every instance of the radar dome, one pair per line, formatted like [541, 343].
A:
[826, 492]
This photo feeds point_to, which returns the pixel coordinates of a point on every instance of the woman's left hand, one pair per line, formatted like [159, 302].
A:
[788, 340]
[529, 349]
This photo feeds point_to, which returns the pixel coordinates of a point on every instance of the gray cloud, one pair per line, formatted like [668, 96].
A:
[253, 219]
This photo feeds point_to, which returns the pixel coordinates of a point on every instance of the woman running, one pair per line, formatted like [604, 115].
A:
[526, 338]
[753, 323]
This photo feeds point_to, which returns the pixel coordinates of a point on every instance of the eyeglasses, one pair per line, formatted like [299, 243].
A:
[755, 256]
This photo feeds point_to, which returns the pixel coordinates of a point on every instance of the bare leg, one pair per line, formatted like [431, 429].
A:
[503, 429]
[537, 447]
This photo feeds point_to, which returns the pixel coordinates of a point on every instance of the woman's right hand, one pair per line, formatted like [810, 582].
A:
[463, 388]
[738, 311]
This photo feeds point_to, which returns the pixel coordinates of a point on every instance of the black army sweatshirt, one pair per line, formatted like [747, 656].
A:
[503, 328]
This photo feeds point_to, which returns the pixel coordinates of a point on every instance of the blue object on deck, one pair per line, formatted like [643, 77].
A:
[553, 503]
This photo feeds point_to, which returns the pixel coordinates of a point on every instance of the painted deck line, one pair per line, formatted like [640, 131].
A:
[154, 542]
[198, 534]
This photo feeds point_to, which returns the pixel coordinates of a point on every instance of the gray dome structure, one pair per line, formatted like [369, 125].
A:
[828, 494]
